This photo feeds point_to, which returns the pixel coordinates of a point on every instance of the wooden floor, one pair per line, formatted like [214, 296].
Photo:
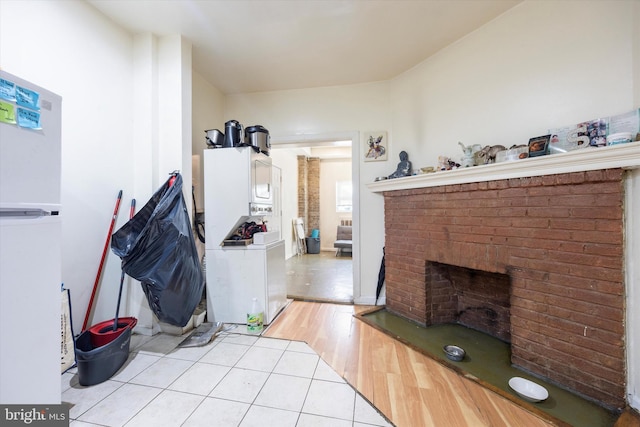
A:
[410, 389]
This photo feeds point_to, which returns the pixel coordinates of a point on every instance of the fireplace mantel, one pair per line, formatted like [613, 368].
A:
[626, 156]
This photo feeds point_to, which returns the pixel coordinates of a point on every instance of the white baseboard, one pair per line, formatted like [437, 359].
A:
[369, 300]
[634, 402]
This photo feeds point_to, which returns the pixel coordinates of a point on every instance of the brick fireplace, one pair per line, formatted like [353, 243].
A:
[535, 261]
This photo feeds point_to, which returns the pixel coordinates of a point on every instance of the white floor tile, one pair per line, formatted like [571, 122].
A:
[225, 354]
[68, 380]
[260, 359]
[121, 405]
[191, 353]
[169, 409]
[300, 347]
[272, 343]
[269, 417]
[330, 400]
[308, 420]
[298, 364]
[160, 345]
[284, 392]
[138, 340]
[367, 414]
[217, 412]
[241, 385]
[326, 373]
[237, 379]
[136, 363]
[236, 338]
[200, 378]
[162, 373]
[82, 398]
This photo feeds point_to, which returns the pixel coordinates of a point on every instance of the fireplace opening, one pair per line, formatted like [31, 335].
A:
[476, 299]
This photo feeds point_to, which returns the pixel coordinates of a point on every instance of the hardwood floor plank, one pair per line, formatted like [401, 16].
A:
[409, 388]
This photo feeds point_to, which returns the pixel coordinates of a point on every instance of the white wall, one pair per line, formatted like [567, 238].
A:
[115, 135]
[71, 49]
[287, 161]
[539, 65]
[208, 103]
[298, 115]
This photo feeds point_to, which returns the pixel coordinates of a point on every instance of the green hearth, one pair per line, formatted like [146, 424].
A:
[489, 360]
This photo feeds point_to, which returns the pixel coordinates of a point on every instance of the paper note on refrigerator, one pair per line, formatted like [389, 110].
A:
[7, 113]
[27, 98]
[7, 90]
[28, 119]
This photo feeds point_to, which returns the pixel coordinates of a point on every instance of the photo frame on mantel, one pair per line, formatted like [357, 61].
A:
[376, 146]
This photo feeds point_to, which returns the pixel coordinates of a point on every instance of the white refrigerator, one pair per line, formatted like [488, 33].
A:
[30, 248]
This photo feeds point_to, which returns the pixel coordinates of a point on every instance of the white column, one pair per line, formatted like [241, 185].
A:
[161, 115]
[632, 254]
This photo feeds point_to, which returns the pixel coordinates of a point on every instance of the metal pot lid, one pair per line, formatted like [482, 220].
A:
[256, 128]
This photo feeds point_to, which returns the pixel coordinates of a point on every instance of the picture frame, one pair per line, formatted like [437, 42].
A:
[539, 146]
[376, 146]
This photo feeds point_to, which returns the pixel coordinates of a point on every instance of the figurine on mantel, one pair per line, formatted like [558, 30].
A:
[468, 159]
[404, 167]
[446, 164]
[489, 153]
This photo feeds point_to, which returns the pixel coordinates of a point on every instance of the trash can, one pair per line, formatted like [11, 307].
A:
[313, 245]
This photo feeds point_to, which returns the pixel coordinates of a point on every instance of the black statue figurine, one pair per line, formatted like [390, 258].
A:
[404, 167]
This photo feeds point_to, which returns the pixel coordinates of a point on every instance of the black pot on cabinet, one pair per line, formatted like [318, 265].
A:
[232, 134]
[258, 138]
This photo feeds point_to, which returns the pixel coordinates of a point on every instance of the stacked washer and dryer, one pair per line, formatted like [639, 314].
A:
[239, 189]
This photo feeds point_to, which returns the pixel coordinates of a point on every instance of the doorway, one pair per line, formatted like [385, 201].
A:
[323, 276]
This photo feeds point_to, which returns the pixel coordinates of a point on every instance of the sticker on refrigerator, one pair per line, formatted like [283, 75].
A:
[7, 113]
[7, 90]
[27, 98]
[28, 119]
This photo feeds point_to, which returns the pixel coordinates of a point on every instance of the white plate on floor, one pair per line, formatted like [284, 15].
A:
[528, 390]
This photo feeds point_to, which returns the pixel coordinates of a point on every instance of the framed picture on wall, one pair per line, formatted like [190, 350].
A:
[376, 146]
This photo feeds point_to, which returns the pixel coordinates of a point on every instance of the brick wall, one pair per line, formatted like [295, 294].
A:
[309, 192]
[313, 188]
[560, 240]
[302, 188]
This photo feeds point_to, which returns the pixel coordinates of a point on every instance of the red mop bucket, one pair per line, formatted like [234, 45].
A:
[102, 333]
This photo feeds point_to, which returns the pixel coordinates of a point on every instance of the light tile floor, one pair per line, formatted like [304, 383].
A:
[235, 380]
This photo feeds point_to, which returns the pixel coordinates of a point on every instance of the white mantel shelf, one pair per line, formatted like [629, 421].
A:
[626, 156]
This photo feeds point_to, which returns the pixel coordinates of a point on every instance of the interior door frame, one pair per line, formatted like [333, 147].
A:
[325, 139]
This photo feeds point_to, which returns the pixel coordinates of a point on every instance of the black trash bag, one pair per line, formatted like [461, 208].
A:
[158, 249]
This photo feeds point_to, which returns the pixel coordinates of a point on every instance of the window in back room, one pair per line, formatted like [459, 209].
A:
[344, 193]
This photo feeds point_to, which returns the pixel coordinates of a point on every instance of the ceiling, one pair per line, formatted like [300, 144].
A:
[243, 46]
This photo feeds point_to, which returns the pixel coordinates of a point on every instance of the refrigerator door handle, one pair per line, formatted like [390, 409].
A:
[18, 213]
